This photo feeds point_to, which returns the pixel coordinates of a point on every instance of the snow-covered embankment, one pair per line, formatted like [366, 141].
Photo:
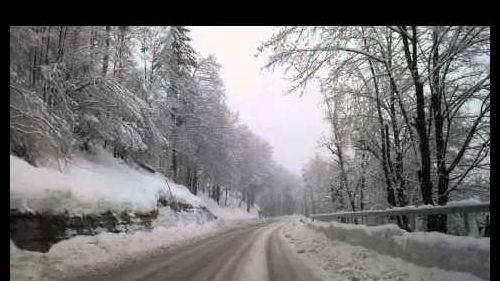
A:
[92, 185]
[432, 249]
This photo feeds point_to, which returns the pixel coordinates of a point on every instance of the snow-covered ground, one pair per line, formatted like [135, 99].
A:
[338, 260]
[425, 248]
[103, 252]
[81, 254]
[99, 183]
[231, 210]
[94, 184]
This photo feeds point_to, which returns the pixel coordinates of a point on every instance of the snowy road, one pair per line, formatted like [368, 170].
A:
[256, 251]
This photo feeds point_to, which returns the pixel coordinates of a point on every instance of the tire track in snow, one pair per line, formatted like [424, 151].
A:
[255, 252]
[283, 263]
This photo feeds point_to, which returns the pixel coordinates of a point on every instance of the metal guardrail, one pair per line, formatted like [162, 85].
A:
[412, 213]
[465, 209]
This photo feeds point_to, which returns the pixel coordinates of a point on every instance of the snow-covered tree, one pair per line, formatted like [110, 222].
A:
[424, 93]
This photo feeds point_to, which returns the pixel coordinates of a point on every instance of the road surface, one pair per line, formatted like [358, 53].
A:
[256, 251]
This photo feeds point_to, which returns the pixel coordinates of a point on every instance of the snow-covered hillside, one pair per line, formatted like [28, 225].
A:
[231, 210]
[89, 184]
[98, 183]
[92, 184]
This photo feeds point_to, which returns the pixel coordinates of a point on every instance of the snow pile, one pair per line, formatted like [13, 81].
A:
[89, 184]
[25, 265]
[230, 211]
[425, 248]
[337, 260]
[98, 183]
[98, 254]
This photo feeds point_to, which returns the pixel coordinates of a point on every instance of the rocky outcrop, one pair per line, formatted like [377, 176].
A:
[39, 231]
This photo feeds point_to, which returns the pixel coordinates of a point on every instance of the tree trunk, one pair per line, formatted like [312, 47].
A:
[306, 206]
[36, 61]
[436, 98]
[400, 181]
[363, 183]
[344, 183]
[391, 199]
[41, 54]
[401, 198]
[420, 124]
[34, 68]
[311, 197]
[340, 155]
[217, 193]
[225, 200]
[47, 48]
[250, 199]
[195, 182]
[60, 46]
[105, 59]
[119, 59]
[174, 164]
[344, 179]
[187, 178]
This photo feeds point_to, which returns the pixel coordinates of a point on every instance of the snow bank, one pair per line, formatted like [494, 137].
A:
[338, 260]
[98, 183]
[449, 252]
[89, 184]
[98, 254]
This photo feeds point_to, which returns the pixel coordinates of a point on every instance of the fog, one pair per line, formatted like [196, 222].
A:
[291, 124]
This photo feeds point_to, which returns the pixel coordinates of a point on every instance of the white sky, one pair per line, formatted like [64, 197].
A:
[292, 125]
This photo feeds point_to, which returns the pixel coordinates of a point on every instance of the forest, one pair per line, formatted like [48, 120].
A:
[407, 108]
[143, 94]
